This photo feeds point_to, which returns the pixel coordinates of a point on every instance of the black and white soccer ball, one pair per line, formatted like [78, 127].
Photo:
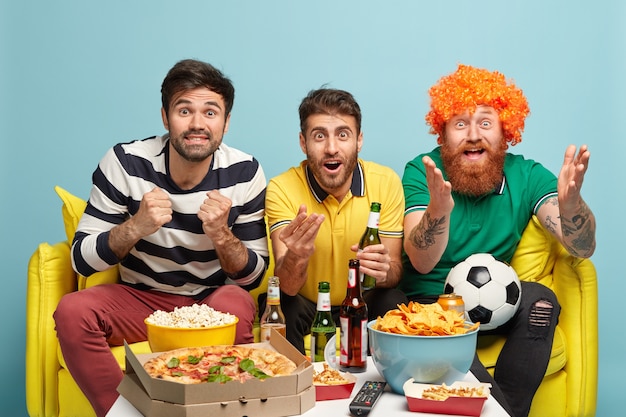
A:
[490, 289]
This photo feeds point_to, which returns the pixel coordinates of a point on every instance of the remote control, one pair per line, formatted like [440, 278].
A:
[367, 396]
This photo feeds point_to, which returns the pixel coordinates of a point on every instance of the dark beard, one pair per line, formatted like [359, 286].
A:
[194, 153]
[330, 183]
[473, 179]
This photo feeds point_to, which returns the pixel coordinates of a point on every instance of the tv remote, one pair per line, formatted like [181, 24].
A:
[367, 396]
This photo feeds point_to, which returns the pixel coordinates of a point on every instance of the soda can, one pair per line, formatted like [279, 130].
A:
[452, 302]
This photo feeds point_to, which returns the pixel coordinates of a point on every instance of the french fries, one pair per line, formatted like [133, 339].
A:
[422, 320]
[443, 392]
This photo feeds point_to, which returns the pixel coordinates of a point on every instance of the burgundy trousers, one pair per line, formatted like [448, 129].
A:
[89, 321]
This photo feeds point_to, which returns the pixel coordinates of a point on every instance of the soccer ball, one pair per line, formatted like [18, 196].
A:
[490, 289]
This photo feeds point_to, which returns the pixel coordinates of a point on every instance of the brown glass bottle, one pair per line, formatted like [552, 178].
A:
[353, 320]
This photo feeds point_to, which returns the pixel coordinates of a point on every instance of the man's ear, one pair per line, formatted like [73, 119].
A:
[359, 142]
[164, 118]
[227, 123]
[302, 143]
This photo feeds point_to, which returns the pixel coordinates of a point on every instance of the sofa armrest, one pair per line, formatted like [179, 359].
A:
[576, 288]
[50, 276]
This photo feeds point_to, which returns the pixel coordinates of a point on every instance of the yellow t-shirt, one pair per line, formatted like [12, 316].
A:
[344, 222]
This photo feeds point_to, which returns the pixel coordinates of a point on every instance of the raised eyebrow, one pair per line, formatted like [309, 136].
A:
[184, 101]
[342, 128]
[318, 129]
[486, 112]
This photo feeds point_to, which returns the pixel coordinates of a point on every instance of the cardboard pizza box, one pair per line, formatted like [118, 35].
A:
[172, 392]
[132, 389]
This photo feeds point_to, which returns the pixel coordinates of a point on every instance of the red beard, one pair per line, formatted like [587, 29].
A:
[469, 178]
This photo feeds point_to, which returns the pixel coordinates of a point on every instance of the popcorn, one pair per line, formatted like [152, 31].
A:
[191, 316]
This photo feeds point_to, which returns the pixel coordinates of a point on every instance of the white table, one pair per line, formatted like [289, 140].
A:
[388, 405]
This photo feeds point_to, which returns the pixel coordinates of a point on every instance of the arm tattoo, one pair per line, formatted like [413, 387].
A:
[550, 224]
[581, 228]
[423, 236]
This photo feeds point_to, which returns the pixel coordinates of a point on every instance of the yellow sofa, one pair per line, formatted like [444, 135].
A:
[568, 389]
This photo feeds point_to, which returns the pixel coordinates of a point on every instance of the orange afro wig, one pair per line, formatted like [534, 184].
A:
[469, 87]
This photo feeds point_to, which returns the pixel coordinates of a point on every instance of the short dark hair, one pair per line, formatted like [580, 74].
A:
[189, 74]
[329, 101]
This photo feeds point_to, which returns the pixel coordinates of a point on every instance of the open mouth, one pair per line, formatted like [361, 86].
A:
[196, 139]
[332, 166]
[474, 153]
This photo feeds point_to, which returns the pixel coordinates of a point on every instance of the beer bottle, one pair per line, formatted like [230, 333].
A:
[370, 237]
[353, 320]
[273, 316]
[323, 329]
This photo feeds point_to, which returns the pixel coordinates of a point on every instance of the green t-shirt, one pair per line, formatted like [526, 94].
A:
[492, 223]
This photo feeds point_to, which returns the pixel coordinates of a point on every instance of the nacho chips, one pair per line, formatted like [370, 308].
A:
[423, 320]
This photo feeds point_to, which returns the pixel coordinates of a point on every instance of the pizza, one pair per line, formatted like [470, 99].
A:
[221, 364]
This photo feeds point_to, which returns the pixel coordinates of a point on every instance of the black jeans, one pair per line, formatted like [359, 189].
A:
[299, 311]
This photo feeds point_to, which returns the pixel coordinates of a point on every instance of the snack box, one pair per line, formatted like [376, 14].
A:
[333, 392]
[462, 406]
[273, 397]
[289, 405]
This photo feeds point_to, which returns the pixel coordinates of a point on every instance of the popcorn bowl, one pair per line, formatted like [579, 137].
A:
[426, 359]
[164, 338]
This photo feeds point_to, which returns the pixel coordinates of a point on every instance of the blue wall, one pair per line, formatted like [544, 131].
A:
[77, 77]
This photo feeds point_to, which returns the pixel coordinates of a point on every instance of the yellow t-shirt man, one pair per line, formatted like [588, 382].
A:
[344, 222]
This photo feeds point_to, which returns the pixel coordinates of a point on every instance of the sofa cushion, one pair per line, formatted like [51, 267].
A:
[72, 210]
[534, 258]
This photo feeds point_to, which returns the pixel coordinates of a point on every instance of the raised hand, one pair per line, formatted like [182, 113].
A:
[155, 210]
[299, 235]
[214, 213]
[441, 201]
[571, 177]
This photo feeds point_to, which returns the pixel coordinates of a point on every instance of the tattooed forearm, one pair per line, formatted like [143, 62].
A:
[584, 244]
[579, 231]
[573, 225]
[423, 236]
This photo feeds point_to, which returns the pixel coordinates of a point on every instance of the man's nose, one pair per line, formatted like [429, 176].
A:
[331, 145]
[474, 132]
[196, 121]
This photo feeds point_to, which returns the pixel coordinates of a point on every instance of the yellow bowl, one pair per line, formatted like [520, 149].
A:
[163, 338]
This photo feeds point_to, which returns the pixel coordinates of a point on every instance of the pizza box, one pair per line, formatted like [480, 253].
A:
[462, 406]
[173, 392]
[289, 405]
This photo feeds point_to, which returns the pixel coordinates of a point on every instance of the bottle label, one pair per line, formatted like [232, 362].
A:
[373, 220]
[343, 340]
[323, 301]
[352, 278]
[273, 295]
[364, 340]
